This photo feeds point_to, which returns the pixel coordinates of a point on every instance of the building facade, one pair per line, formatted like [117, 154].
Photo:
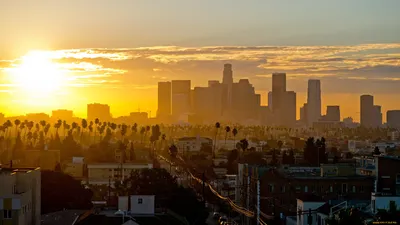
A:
[393, 118]
[313, 101]
[98, 111]
[164, 99]
[20, 193]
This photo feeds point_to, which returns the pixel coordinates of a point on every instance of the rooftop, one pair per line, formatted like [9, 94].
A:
[107, 219]
[8, 170]
[66, 217]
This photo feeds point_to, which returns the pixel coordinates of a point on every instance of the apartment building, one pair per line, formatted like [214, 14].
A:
[20, 196]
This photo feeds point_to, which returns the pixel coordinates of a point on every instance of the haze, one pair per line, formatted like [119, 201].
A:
[353, 47]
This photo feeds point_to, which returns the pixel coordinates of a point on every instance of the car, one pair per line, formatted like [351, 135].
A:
[216, 215]
[222, 220]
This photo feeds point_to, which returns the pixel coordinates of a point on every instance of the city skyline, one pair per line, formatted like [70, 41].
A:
[46, 63]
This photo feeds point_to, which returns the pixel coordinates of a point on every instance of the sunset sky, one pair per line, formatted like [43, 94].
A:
[67, 53]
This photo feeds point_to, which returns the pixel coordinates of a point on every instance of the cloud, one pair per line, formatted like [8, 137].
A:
[143, 67]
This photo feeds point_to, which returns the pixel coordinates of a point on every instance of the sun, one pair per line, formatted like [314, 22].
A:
[36, 74]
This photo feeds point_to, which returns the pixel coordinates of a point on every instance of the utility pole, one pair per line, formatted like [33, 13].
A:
[109, 189]
[204, 188]
[309, 219]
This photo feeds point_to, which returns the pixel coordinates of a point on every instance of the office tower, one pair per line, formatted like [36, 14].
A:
[393, 118]
[377, 116]
[313, 101]
[303, 113]
[164, 99]
[366, 110]
[207, 102]
[227, 81]
[180, 98]
[20, 196]
[98, 111]
[278, 95]
[247, 102]
[270, 101]
[212, 83]
[333, 113]
[289, 109]
[227, 74]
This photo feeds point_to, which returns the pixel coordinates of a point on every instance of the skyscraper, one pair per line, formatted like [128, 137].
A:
[278, 96]
[313, 101]
[289, 109]
[270, 101]
[377, 116]
[303, 114]
[180, 98]
[333, 113]
[393, 118]
[164, 99]
[366, 110]
[227, 82]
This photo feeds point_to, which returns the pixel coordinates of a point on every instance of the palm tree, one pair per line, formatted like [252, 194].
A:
[227, 129]
[84, 125]
[17, 122]
[96, 121]
[234, 133]
[147, 130]
[142, 131]
[217, 126]
[43, 123]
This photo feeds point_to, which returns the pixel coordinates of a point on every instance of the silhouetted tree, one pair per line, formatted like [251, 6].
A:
[61, 191]
[376, 151]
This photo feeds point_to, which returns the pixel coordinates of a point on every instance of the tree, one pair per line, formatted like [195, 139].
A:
[217, 126]
[227, 130]
[61, 191]
[18, 148]
[376, 151]
[234, 133]
[244, 144]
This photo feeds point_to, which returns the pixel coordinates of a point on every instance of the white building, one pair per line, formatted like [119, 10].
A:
[105, 173]
[192, 144]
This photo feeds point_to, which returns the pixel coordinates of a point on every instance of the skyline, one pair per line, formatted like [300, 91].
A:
[83, 56]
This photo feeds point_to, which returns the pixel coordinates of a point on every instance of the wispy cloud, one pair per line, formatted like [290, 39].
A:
[142, 67]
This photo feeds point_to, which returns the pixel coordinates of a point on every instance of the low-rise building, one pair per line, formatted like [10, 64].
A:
[192, 144]
[20, 193]
[107, 173]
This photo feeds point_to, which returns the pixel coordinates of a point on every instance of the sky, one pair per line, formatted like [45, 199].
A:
[111, 51]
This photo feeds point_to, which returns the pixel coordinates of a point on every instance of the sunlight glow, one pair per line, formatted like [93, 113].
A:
[37, 74]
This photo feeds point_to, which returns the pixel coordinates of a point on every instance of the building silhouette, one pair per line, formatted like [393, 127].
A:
[333, 113]
[282, 103]
[164, 99]
[62, 114]
[98, 111]
[393, 118]
[313, 101]
[370, 114]
[180, 99]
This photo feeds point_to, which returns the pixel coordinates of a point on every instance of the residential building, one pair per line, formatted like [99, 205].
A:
[377, 116]
[98, 111]
[313, 101]
[192, 144]
[45, 159]
[132, 210]
[387, 182]
[20, 196]
[393, 118]
[106, 173]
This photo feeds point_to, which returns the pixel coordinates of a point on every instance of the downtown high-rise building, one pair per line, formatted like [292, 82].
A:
[282, 103]
[313, 101]
[332, 113]
[393, 118]
[227, 83]
[180, 99]
[164, 99]
[370, 114]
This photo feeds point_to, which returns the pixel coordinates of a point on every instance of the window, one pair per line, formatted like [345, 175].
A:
[7, 214]
[140, 201]
[271, 188]
[344, 188]
[354, 189]
[305, 189]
